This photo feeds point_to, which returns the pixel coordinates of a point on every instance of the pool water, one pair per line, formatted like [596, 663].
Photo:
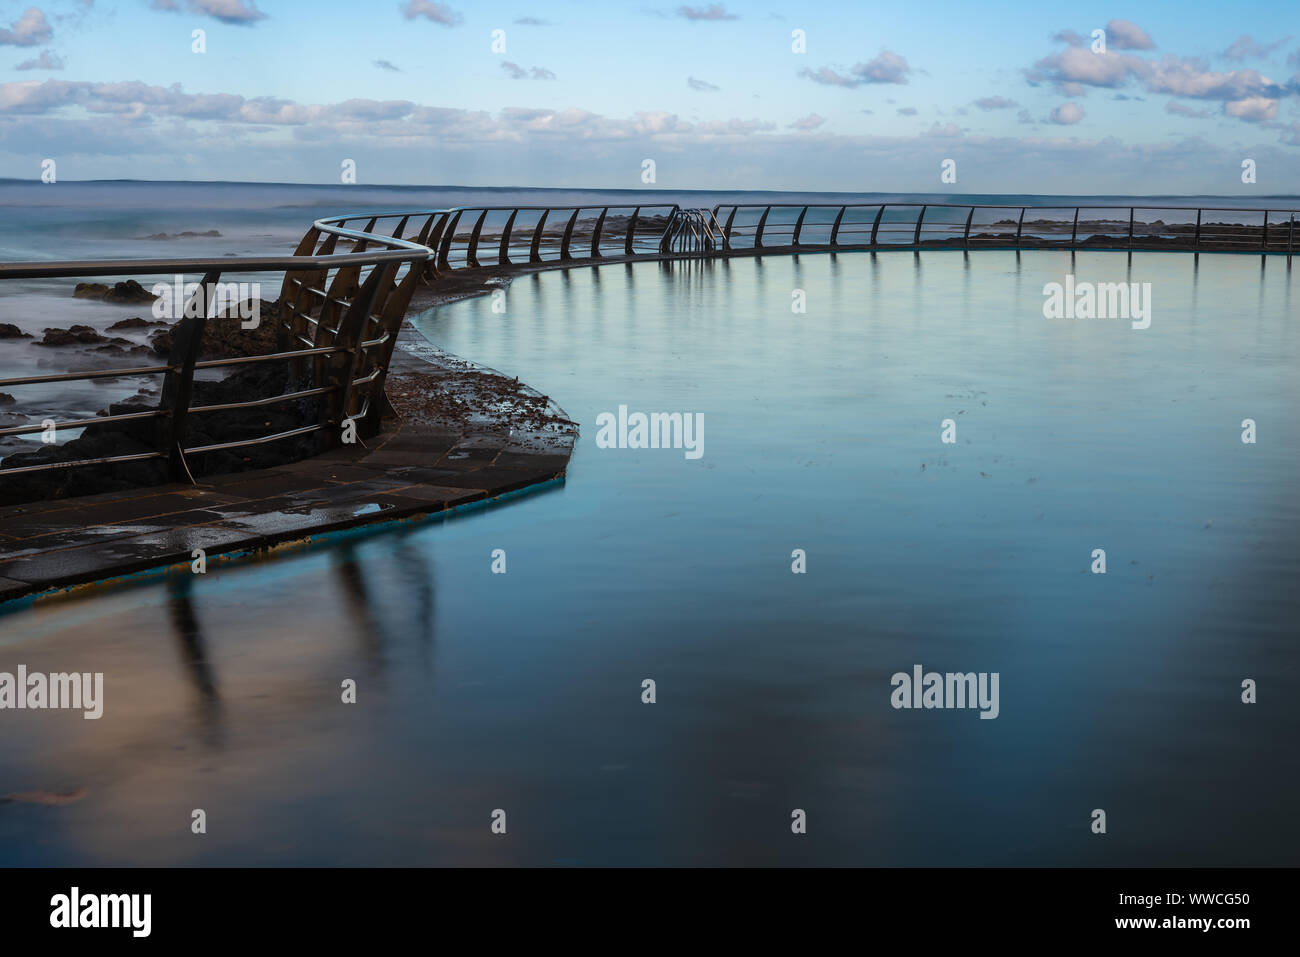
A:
[822, 432]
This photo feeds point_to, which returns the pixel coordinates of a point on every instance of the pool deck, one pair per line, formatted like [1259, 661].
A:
[425, 463]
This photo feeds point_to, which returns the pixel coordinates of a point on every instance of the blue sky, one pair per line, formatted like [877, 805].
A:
[413, 92]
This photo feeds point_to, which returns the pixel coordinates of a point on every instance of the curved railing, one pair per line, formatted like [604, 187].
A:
[780, 226]
[343, 350]
[344, 293]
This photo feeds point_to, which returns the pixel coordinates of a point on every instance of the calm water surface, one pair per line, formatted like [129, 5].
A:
[821, 432]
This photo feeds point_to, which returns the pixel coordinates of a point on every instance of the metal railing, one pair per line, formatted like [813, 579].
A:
[341, 305]
[344, 294]
[782, 226]
[471, 237]
[345, 354]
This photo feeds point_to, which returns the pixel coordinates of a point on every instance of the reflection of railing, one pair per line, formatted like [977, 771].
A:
[965, 226]
[343, 350]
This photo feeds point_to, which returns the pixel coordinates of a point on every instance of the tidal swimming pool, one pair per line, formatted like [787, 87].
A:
[822, 431]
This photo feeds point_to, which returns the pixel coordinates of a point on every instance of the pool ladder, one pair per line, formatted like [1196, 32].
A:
[693, 231]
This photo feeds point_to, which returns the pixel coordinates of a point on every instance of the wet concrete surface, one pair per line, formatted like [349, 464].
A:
[461, 434]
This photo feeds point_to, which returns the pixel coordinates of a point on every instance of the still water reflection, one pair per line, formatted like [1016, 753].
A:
[522, 691]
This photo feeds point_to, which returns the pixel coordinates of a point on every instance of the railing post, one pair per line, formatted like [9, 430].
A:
[965, 239]
[726, 230]
[798, 226]
[835, 229]
[1290, 235]
[631, 231]
[1196, 238]
[1263, 243]
[429, 268]
[341, 365]
[595, 236]
[916, 236]
[503, 255]
[1020, 225]
[534, 256]
[568, 235]
[1130, 227]
[1074, 230]
[444, 248]
[471, 255]
[762, 221]
[178, 383]
[401, 228]
[875, 226]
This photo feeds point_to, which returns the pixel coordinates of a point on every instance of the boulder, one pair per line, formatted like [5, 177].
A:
[135, 322]
[72, 336]
[129, 291]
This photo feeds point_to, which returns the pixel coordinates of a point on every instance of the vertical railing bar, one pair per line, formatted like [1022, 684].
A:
[798, 226]
[568, 235]
[503, 254]
[178, 386]
[1020, 226]
[1074, 231]
[835, 228]
[875, 226]
[1131, 211]
[534, 256]
[1196, 238]
[448, 235]
[916, 236]
[762, 221]
[966, 235]
[631, 231]
[471, 255]
[595, 236]
[726, 230]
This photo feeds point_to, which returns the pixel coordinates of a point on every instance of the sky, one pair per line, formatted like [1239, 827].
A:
[851, 96]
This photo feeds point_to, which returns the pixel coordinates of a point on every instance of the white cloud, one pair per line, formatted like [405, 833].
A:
[809, 122]
[1127, 35]
[1067, 114]
[885, 67]
[28, 30]
[1253, 109]
[436, 12]
[714, 11]
[994, 103]
[46, 61]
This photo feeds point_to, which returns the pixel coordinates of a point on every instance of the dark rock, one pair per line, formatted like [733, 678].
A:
[71, 336]
[187, 234]
[129, 291]
[7, 399]
[225, 338]
[9, 331]
[135, 323]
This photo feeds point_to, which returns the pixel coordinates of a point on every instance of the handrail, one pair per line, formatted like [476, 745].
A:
[344, 308]
[825, 226]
